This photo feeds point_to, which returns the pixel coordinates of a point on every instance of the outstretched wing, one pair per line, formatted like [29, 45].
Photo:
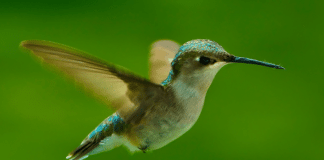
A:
[162, 54]
[111, 84]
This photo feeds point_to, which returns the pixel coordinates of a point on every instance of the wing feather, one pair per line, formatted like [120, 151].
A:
[162, 54]
[113, 85]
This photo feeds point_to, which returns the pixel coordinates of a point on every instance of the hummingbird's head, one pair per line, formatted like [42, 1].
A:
[199, 56]
[199, 60]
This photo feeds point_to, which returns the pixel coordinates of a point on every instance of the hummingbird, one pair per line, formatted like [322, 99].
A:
[149, 113]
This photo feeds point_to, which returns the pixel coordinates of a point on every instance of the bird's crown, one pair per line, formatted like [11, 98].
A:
[198, 46]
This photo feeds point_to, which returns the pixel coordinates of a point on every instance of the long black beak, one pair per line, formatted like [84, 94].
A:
[253, 61]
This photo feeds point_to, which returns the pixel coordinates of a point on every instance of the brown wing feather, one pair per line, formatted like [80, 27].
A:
[110, 84]
[162, 54]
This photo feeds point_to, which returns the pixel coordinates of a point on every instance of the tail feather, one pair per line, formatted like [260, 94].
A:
[100, 139]
[103, 131]
[83, 150]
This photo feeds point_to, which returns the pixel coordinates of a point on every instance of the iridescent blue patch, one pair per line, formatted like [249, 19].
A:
[168, 80]
[118, 123]
[92, 134]
[102, 127]
[99, 129]
[110, 118]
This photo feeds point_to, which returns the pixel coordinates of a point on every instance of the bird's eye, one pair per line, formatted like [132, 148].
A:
[205, 60]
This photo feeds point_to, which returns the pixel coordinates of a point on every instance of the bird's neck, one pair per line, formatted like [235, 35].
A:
[190, 91]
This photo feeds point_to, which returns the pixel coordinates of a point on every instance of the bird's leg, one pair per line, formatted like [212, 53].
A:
[143, 148]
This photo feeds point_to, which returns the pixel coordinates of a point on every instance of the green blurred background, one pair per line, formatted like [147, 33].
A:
[251, 112]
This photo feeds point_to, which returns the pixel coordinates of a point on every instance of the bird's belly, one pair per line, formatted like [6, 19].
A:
[164, 137]
[162, 124]
[158, 132]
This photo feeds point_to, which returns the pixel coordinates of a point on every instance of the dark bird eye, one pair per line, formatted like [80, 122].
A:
[204, 60]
